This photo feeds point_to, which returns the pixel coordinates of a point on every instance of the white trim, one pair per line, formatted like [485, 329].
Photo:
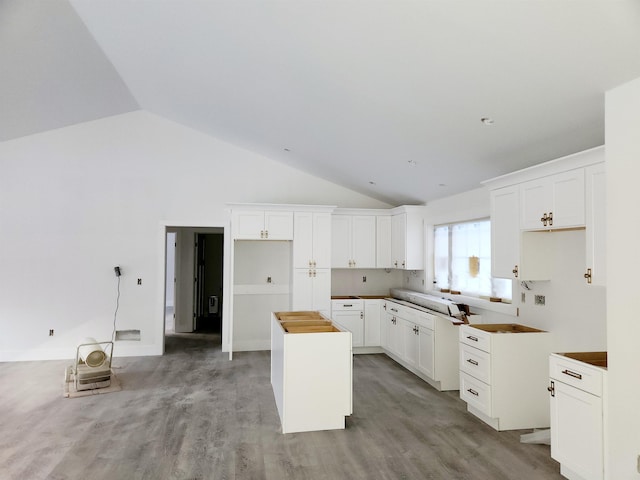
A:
[562, 164]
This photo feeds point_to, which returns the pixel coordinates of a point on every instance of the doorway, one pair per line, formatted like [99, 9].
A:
[194, 282]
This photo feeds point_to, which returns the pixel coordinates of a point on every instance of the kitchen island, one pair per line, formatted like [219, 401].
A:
[311, 371]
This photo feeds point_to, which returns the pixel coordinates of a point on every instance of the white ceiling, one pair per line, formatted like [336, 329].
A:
[355, 90]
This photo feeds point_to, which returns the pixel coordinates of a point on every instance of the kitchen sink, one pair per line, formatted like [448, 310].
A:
[598, 359]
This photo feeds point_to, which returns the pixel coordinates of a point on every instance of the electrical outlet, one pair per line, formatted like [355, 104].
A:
[539, 299]
[51, 332]
[523, 297]
[139, 281]
[364, 279]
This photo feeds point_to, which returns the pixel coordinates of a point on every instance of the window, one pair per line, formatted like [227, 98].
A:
[462, 260]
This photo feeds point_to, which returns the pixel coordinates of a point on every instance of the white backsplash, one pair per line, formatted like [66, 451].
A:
[378, 281]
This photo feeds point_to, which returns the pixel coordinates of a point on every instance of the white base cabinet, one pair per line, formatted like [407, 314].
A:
[349, 314]
[311, 376]
[422, 342]
[503, 374]
[577, 425]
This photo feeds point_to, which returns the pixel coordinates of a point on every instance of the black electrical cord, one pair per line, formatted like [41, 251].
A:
[115, 314]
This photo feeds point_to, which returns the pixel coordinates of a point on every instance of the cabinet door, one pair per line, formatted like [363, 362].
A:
[278, 225]
[394, 340]
[596, 197]
[302, 289]
[535, 201]
[322, 290]
[577, 431]
[322, 240]
[372, 324]
[399, 240]
[341, 241]
[383, 241]
[426, 352]
[303, 240]
[363, 241]
[248, 225]
[505, 232]
[385, 325]
[354, 322]
[411, 338]
[568, 199]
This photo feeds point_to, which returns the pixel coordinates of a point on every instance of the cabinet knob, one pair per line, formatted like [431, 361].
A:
[515, 271]
[550, 218]
[544, 219]
[588, 275]
[395, 264]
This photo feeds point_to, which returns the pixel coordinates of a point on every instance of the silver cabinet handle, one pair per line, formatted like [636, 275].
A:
[475, 339]
[572, 374]
[472, 392]
[472, 361]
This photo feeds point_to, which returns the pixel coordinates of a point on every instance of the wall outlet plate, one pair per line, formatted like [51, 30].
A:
[539, 300]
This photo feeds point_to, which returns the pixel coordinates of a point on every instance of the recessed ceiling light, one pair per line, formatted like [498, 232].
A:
[413, 163]
[487, 120]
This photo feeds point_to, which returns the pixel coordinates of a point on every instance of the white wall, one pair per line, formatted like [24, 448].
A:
[77, 201]
[622, 430]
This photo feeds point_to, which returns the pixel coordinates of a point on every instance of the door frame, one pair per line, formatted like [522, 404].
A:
[226, 317]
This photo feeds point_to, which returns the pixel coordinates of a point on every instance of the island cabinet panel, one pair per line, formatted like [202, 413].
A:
[311, 371]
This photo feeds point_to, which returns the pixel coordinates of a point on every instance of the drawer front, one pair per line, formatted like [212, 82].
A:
[476, 338]
[476, 393]
[475, 362]
[577, 374]
[347, 305]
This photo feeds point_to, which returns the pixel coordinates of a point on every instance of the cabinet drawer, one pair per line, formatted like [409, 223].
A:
[475, 362]
[347, 305]
[475, 337]
[476, 393]
[577, 374]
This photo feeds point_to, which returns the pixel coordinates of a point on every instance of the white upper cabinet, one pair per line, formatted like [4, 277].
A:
[555, 201]
[596, 195]
[353, 242]
[383, 241]
[262, 225]
[505, 232]
[312, 240]
[407, 238]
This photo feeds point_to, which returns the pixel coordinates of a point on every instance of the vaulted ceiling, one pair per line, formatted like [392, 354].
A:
[384, 97]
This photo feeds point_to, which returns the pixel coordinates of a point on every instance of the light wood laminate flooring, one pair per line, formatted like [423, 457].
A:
[192, 414]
